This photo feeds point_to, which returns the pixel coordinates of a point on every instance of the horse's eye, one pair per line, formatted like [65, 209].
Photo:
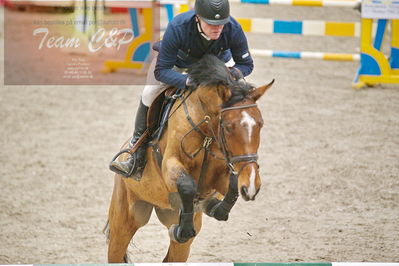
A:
[229, 127]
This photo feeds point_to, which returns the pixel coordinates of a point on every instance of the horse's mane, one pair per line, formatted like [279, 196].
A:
[210, 71]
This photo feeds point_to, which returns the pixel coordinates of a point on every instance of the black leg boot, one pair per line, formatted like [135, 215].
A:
[137, 160]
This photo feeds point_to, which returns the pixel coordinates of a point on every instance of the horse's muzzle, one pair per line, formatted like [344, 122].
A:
[246, 195]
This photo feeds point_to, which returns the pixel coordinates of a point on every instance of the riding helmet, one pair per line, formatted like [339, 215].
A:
[214, 12]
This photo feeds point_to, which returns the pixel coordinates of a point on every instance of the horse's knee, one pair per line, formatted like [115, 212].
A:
[186, 187]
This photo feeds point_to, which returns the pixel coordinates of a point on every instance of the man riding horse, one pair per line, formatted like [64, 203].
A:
[209, 29]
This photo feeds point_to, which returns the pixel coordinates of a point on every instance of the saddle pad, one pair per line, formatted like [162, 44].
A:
[156, 107]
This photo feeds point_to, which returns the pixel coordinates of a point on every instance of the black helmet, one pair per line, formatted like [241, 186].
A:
[214, 12]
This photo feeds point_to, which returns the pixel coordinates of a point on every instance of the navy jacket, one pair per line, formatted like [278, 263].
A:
[181, 46]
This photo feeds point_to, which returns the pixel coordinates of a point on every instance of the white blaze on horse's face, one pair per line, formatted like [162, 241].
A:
[242, 133]
[252, 191]
[248, 122]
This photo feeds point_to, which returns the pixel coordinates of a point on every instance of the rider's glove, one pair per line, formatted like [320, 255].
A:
[189, 83]
[236, 73]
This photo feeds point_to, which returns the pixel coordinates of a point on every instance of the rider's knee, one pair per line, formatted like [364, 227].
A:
[149, 94]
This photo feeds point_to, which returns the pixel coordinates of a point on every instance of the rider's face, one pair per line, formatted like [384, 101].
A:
[212, 31]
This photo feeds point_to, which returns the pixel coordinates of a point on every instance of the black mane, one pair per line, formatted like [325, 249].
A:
[211, 71]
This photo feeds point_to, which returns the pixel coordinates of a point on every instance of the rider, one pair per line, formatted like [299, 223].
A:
[209, 29]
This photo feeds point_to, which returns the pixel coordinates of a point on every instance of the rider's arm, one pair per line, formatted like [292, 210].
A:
[167, 58]
[239, 49]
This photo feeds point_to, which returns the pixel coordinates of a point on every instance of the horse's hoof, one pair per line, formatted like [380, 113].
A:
[175, 234]
[210, 206]
[220, 213]
[173, 231]
[215, 208]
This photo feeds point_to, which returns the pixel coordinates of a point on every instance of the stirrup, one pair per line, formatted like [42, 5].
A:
[116, 170]
[132, 152]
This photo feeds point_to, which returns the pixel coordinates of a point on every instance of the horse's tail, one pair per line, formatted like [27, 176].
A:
[106, 231]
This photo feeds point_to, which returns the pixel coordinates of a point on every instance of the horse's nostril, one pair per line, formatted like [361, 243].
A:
[244, 191]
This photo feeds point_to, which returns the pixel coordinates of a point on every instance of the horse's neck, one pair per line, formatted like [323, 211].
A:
[206, 101]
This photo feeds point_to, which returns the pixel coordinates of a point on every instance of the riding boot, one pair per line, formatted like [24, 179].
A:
[138, 159]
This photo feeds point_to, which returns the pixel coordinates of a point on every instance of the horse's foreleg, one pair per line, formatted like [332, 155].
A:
[220, 209]
[187, 189]
[119, 239]
[126, 215]
[121, 225]
[177, 178]
[179, 252]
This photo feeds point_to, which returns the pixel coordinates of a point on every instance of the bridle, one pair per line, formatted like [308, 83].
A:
[221, 141]
[230, 159]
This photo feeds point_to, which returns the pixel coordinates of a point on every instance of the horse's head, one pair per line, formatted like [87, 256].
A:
[240, 128]
[240, 119]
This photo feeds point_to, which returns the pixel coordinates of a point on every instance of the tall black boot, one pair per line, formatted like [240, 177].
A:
[138, 159]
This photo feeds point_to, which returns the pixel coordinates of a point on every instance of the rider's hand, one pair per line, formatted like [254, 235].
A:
[189, 83]
[236, 73]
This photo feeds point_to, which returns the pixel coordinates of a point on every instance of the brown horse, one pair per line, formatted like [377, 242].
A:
[207, 154]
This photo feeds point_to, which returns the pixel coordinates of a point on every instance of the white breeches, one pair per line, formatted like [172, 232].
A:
[153, 87]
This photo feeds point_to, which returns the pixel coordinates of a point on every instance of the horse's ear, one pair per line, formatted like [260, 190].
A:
[224, 92]
[256, 93]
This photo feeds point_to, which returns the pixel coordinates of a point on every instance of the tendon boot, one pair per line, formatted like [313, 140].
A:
[137, 160]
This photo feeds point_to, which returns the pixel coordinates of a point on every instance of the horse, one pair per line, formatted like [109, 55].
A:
[205, 158]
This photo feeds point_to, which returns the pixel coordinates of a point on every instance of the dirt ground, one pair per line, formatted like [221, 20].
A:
[329, 161]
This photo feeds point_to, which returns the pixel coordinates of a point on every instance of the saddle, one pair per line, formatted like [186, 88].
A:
[157, 118]
[158, 112]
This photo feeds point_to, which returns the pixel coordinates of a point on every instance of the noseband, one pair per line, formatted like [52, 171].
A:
[231, 160]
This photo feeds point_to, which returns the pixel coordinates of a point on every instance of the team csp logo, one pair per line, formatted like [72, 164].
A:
[68, 45]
